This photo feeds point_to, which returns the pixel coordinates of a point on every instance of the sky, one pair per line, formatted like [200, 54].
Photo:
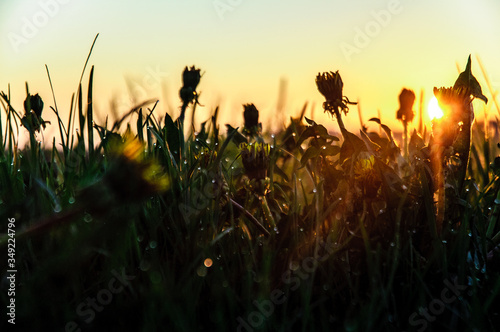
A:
[245, 49]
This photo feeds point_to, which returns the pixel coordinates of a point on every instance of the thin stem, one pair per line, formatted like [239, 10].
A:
[405, 140]
[339, 119]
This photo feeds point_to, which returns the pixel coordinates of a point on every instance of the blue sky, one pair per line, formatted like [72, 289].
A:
[245, 48]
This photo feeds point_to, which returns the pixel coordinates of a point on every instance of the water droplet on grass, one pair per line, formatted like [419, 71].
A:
[208, 262]
[87, 218]
[145, 265]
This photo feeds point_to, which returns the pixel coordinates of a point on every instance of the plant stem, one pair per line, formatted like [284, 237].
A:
[405, 140]
[339, 119]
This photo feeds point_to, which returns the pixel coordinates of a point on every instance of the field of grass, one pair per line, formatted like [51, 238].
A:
[151, 224]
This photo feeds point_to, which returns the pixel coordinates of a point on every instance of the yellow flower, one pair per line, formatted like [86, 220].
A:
[366, 176]
[255, 158]
[131, 175]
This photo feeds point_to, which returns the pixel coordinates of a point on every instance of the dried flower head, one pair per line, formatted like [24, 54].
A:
[255, 158]
[330, 85]
[251, 116]
[406, 101]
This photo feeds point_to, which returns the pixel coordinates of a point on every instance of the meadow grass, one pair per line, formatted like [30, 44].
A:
[299, 230]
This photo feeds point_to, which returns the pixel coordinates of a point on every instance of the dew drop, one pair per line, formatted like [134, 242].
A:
[208, 262]
[87, 218]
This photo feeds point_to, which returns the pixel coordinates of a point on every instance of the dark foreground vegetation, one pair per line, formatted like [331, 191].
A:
[151, 224]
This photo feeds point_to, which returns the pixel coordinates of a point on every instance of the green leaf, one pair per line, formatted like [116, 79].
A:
[352, 146]
[171, 135]
[330, 150]
[280, 172]
[237, 137]
[311, 152]
[467, 80]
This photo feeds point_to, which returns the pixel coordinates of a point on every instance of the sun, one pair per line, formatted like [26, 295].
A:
[435, 112]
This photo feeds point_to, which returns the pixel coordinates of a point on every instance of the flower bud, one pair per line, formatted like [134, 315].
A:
[406, 101]
[34, 103]
[251, 117]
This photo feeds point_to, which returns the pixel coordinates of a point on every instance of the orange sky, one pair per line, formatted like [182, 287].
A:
[245, 48]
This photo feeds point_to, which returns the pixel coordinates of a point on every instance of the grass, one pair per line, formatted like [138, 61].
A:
[241, 230]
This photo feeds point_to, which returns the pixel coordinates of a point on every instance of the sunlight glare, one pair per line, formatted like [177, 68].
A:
[435, 112]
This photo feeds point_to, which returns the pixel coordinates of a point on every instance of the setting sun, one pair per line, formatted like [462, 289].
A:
[435, 112]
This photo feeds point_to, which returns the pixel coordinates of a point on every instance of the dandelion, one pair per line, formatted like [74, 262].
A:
[251, 116]
[366, 176]
[33, 107]
[330, 85]
[406, 101]
[457, 109]
[190, 79]
[405, 113]
[132, 176]
[255, 158]
[453, 133]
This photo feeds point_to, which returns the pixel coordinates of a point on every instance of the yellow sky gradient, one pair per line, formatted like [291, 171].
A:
[245, 48]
